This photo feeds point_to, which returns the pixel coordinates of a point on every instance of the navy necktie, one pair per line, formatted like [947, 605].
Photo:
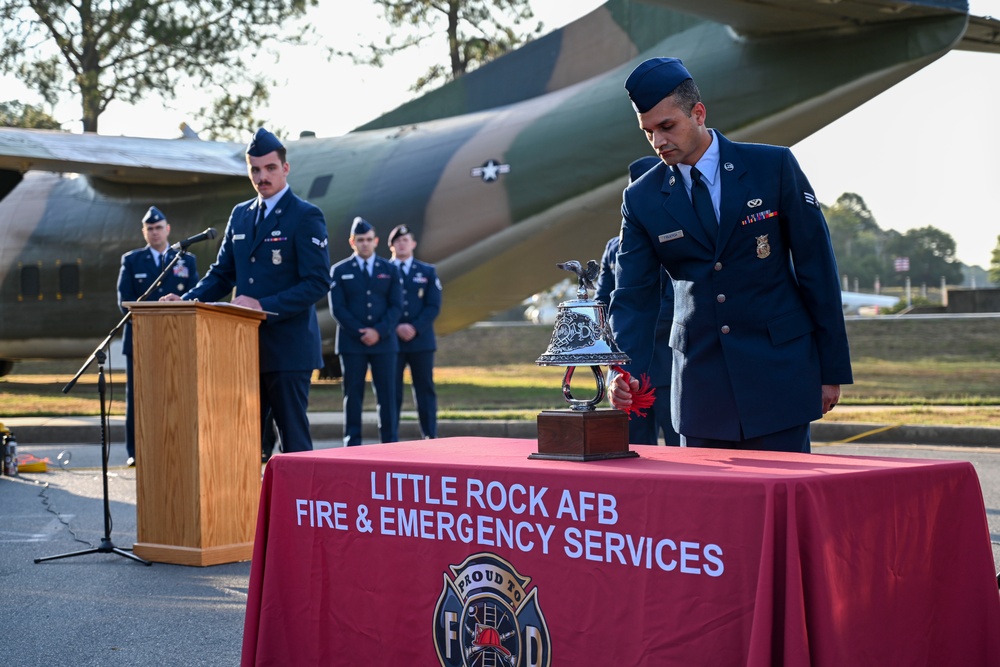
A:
[261, 212]
[701, 198]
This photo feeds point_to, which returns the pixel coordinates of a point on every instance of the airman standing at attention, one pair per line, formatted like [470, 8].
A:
[366, 299]
[759, 342]
[275, 255]
[417, 343]
[138, 271]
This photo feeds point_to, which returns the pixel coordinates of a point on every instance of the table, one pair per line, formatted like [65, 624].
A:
[462, 551]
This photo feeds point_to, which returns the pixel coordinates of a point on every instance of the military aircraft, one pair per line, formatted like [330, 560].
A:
[501, 174]
[859, 303]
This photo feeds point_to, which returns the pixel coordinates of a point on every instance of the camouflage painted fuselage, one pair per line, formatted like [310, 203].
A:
[501, 174]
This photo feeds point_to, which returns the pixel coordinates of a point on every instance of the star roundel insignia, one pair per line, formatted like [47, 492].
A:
[490, 171]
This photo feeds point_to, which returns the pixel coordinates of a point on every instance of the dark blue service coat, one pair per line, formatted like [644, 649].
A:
[137, 273]
[286, 266]
[359, 301]
[754, 338]
[421, 305]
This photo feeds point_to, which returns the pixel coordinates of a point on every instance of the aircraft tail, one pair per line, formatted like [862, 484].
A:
[621, 30]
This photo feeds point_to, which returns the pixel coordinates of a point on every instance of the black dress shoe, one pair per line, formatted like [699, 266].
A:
[130, 462]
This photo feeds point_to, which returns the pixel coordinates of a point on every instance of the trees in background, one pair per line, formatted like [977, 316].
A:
[15, 114]
[134, 49]
[995, 264]
[865, 251]
[477, 31]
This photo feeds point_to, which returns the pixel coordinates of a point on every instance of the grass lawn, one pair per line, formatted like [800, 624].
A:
[925, 391]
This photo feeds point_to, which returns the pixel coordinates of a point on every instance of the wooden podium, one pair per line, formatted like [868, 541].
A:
[197, 431]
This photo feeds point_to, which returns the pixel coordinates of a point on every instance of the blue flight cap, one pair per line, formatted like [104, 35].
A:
[153, 216]
[653, 80]
[360, 226]
[397, 231]
[262, 143]
[641, 166]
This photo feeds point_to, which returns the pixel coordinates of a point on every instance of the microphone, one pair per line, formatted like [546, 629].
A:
[197, 238]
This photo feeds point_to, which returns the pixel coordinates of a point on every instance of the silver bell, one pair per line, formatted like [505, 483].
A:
[581, 337]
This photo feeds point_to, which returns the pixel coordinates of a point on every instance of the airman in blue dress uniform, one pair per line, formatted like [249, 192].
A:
[647, 430]
[366, 299]
[417, 342]
[139, 269]
[758, 341]
[274, 253]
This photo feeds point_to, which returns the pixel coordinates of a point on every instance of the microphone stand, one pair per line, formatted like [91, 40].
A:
[107, 546]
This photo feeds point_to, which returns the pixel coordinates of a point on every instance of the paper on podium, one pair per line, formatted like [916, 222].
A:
[226, 304]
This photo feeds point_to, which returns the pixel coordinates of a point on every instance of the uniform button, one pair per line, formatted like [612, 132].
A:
[369, 304]
[718, 266]
[369, 317]
[368, 292]
[721, 298]
[251, 281]
[253, 259]
[725, 328]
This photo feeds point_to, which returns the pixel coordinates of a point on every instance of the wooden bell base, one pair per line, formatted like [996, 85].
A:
[594, 435]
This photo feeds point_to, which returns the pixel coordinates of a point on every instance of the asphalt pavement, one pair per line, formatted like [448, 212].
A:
[105, 609]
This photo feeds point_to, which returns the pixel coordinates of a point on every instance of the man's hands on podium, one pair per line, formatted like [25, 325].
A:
[246, 302]
[243, 301]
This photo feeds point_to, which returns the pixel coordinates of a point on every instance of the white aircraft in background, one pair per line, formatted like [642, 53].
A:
[859, 303]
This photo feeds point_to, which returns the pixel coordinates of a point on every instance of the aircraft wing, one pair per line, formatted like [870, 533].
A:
[983, 35]
[780, 16]
[122, 159]
[751, 17]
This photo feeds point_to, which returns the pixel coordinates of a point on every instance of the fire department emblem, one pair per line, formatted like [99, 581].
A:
[763, 247]
[486, 617]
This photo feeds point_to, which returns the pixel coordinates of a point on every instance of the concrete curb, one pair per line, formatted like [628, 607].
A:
[328, 426]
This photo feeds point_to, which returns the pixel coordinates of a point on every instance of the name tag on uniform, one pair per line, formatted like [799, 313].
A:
[140, 275]
[347, 276]
[672, 236]
[239, 237]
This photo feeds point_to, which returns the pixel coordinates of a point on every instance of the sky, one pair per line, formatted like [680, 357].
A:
[924, 152]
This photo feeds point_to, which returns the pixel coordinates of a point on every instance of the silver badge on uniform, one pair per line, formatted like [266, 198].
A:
[276, 257]
[728, 166]
[763, 247]
[672, 180]
[754, 203]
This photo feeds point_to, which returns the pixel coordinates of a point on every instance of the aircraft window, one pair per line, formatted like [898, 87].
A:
[69, 282]
[31, 283]
[8, 181]
[320, 186]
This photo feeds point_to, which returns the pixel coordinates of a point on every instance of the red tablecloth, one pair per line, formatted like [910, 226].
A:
[420, 553]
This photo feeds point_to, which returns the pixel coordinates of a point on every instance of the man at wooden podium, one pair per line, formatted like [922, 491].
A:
[274, 253]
